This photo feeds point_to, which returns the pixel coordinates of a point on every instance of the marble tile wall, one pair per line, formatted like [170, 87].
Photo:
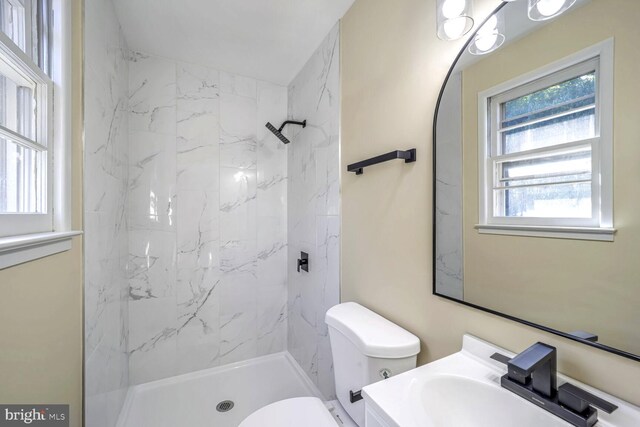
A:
[314, 210]
[449, 248]
[105, 215]
[207, 218]
[192, 225]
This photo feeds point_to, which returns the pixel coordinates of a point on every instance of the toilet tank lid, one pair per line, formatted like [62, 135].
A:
[371, 333]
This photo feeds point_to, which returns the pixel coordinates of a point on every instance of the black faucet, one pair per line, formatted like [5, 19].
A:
[537, 364]
[532, 375]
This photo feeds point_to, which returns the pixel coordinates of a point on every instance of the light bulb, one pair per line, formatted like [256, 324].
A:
[453, 8]
[485, 42]
[454, 28]
[549, 7]
[488, 38]
[454, 18]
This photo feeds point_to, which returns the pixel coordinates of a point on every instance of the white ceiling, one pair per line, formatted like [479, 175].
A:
[266, 39]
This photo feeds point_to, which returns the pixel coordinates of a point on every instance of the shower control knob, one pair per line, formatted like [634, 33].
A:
[303, 262]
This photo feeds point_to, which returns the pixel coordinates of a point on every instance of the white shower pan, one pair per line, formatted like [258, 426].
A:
[191, 399]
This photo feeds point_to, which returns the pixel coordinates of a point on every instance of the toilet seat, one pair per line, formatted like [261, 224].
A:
[296, 412]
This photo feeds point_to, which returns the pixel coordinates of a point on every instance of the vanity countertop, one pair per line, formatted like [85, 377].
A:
[398, 401]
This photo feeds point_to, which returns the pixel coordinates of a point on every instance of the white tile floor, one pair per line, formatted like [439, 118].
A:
[191, 399]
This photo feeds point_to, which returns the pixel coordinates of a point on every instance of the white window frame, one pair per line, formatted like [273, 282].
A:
[57, 235]
[495, 158]
[19, 66]
[600, 226]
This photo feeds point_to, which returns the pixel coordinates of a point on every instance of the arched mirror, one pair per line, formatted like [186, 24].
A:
[537, 143]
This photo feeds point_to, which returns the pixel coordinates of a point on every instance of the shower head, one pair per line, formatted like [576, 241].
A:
[278, 132]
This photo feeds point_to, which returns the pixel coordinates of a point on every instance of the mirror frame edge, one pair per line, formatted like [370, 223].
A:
[613, 350]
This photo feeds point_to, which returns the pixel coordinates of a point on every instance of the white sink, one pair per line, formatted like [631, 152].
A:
[463, 390]
[448, 400]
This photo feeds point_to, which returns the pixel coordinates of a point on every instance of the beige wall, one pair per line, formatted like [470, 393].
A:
[41, 304]
[392, 69]
[565, 284]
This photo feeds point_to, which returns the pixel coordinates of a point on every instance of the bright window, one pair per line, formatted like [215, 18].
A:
[547, 147]
[26, 114]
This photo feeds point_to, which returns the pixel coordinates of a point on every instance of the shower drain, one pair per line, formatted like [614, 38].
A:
[225, 406]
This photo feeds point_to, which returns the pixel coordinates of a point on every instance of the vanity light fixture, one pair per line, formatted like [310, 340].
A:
[541, 10]
[489, 37]
[453, 18]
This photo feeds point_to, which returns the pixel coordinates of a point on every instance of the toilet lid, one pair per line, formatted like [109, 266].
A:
[300, 411]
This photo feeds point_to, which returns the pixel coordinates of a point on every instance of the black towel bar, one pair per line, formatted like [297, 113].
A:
[409, 156]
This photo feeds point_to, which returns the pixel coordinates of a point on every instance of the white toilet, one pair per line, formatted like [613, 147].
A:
[366, 348]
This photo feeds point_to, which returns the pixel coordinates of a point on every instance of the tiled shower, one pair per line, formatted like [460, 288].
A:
[195, 215]
[207, 219]
[314, 211]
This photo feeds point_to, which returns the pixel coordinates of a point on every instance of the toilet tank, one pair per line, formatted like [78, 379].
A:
[366, 348]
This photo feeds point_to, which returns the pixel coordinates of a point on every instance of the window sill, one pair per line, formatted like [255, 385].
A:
[16, 250]
[554, 232]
